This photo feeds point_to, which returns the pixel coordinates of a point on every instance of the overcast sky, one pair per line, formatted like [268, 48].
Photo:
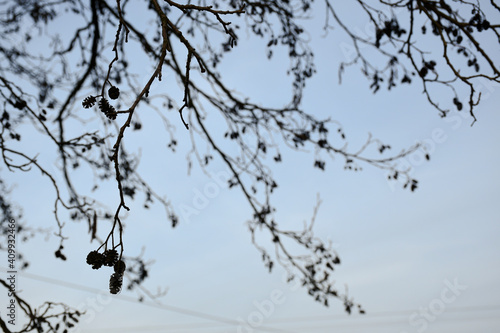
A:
[426, 261]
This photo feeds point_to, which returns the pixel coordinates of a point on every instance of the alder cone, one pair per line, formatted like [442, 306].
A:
[89, 102]
[113, 92]
[115, 283]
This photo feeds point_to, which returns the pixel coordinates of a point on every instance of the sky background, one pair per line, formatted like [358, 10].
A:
[401, 252]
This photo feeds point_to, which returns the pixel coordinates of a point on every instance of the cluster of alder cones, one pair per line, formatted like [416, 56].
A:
[106, 108]
[109, 258]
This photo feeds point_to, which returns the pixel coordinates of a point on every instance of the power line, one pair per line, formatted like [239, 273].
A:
[171, 308]
[163, 328]
[315, 319]
[232, 322]
[388, 313]
[392, 322]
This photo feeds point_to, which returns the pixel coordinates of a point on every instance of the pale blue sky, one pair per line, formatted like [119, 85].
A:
[400, 251]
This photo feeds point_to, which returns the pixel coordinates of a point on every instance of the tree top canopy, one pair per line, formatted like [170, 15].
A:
[81, 75]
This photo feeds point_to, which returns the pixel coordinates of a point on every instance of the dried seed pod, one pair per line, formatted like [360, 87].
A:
[113, 92]
[120, 267]
[110, 257]
[89, 102]
[95, 259]
[115, 283]
[105, 107]
[108, 110]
